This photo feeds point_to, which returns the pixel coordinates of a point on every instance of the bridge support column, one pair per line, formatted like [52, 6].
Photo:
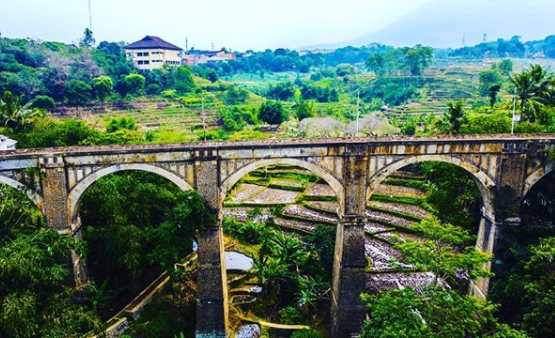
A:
[80, 271]
[487, 235]
[212, 280]
[54, 187]
[349, 276]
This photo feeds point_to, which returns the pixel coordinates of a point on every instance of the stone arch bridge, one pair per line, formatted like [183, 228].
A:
[505, 167]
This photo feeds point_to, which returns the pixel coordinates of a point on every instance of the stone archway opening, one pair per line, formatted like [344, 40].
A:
[280, 217]
[137, 224]
[413, 189]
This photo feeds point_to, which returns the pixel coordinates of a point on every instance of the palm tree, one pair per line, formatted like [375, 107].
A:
[454, 118]
[13, 114]
[534, 89]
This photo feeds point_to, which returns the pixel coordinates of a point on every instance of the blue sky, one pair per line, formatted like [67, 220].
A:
[236, 24]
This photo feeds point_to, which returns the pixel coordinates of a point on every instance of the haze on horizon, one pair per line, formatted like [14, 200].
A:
[240, 25]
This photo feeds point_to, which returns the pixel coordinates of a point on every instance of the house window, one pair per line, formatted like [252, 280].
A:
[142, 54]
[140, 62]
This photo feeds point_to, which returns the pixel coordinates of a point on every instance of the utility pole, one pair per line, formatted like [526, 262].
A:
[514, 113]
[203, 119]
[358, 110]
[212, 46]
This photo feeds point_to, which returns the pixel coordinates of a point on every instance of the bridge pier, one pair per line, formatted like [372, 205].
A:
[54, 187]
[487, 236]
[349, 276]
[212, 286]
[212, 310]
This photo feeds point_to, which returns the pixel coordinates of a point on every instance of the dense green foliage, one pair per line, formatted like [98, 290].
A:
[293, 273]
[272, 112]
[436, 311]
[136, 226]
[508, 48]
[36, 299]
[525, 284]
[453, 194]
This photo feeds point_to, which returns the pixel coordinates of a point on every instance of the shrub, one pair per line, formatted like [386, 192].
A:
[291, 315]
[43, 102]
[308, 333]
[272, 112]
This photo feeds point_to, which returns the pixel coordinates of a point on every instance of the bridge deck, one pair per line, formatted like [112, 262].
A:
[274, 143]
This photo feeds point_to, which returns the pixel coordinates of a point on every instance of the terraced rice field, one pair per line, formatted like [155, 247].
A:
[313, 202]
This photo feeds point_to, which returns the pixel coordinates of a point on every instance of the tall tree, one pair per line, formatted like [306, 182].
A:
[77, 93]
[534, 89]
[272, 112]
[134, 83]
[87, 40]
[103, 87]
[488, 79]
[454, 118]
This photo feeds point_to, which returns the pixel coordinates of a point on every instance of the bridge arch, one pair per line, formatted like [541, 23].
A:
[483, 181]
[334, 183]
[77, 192]
[33, 195]
[536, 176]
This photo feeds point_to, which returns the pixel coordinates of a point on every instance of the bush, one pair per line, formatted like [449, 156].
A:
[236, 95]
[309, 333]
[43, 102]
[272, 112]
[305, 110]
[291, 316]
[170, 93]
[191, 100]
[153, 89]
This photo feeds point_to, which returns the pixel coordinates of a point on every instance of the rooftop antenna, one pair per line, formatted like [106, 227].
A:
[186, 44]
[90, 16]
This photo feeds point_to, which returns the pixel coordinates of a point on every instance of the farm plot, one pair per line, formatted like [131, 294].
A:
[395, 190]
[273, 196]
[243, 191]
[320, 190]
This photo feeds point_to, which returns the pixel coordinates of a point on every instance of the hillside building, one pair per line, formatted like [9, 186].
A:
[152, 52]
[197, 57]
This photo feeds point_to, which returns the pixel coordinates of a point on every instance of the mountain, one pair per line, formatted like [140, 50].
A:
[444, 23]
